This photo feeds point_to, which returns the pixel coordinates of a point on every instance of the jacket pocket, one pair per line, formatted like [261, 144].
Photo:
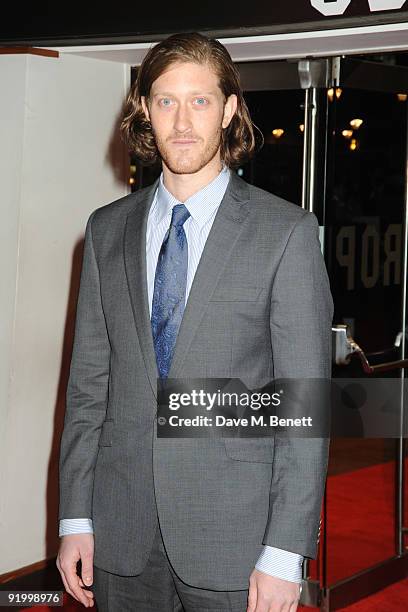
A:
[259, 450]
[105, 439]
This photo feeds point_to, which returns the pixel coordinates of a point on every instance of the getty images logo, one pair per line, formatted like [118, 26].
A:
[337, 7]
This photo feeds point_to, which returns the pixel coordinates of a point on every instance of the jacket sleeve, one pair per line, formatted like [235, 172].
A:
[87, 392]
[300, 325]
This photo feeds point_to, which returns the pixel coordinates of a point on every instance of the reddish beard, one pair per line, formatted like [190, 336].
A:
[188, 162]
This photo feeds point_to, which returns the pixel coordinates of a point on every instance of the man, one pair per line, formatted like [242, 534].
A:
[198, 276]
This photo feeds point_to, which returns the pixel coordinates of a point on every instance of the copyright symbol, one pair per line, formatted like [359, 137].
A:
[162, 420]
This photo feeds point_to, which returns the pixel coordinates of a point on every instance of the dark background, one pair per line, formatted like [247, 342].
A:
[69, 22]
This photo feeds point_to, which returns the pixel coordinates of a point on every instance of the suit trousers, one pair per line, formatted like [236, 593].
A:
[159, 589]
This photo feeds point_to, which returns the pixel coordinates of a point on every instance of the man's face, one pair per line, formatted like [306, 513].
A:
[188, 111]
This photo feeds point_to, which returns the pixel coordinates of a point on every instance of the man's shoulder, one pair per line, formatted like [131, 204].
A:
[271, 210]
[264, 201]
[120, 208]
[276, 205]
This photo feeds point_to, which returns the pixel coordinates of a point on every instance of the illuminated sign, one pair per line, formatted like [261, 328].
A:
[75, 23]
[338, 7]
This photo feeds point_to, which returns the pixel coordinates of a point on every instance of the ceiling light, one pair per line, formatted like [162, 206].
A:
[356, 123]
[331, 92]
[278, 132]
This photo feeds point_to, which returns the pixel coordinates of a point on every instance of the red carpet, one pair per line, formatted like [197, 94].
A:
[360, 519]
[360, 533]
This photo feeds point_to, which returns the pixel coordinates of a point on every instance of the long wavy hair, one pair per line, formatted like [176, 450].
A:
[238, 142]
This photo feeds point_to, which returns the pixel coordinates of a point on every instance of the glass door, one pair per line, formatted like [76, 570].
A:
[365, 212]
[335, 136]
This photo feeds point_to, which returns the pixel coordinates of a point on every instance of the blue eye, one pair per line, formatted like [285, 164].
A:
[166, 101]
[201, 101]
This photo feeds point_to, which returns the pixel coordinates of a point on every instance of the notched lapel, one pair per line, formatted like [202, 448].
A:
[135, 265]
[224, 233]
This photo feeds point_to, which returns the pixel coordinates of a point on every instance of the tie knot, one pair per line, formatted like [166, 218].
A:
[179, 215]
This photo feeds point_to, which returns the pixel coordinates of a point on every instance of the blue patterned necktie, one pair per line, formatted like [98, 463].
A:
[170, 289]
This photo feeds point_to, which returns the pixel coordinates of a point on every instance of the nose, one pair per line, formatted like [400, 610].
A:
[182, 119]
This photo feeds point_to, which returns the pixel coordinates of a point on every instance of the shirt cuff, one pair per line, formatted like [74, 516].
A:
[70, 526]
[280, 563]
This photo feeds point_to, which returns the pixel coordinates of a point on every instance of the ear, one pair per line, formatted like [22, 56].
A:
[230, 108]
[145, 108]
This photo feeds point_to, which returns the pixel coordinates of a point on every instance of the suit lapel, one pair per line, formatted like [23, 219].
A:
[221, 240]
[135, 265]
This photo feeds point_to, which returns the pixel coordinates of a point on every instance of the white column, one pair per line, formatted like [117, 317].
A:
[60, 158]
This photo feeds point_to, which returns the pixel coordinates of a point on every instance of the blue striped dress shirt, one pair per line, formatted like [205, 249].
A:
[202, 206]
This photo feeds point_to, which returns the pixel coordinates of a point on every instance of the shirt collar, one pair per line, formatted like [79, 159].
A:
[201, 205]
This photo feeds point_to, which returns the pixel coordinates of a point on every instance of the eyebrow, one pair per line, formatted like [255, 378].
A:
[193, 93]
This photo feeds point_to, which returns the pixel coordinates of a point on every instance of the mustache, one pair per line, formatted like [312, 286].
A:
[183, 137]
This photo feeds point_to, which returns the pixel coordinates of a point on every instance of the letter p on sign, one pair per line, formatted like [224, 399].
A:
[383, 5]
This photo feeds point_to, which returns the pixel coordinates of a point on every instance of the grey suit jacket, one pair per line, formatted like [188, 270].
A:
[260, 307]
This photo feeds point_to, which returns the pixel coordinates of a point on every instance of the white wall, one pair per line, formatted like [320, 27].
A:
[60, 158]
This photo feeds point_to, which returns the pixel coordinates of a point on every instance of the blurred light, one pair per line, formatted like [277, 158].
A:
[302, 127]
[402, 97]
[278, 132]
[356, 123]
[330, 93]
[240, 171]
[353, 144]
[133, 169]
[347, 133]
[131, 180]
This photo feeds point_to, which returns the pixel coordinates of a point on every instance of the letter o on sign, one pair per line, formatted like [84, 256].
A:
[330, 8]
